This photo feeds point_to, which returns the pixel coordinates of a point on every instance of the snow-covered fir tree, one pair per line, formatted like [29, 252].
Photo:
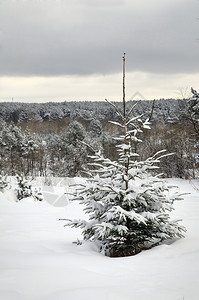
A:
[194, 102]
[193, 109]
[24, 189]
[128, 206]
[193, 116]
[3, 182]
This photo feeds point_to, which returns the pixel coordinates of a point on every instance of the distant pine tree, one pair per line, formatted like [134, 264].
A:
[193, 109]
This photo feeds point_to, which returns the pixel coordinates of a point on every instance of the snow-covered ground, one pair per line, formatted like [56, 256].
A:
[38, 260]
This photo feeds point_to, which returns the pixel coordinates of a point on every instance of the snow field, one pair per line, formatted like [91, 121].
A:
[38, 259]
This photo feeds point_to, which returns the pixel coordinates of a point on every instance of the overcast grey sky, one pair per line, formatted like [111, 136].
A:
[72, 50]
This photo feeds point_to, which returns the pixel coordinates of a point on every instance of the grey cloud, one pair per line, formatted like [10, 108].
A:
[57, 37]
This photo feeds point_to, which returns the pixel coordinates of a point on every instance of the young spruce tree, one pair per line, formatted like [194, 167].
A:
[128, 206]
[3, 182]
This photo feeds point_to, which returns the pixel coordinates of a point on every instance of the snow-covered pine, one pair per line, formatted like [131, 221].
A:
[24, 189]
[193, 106]
[127, 204]
[3, 182]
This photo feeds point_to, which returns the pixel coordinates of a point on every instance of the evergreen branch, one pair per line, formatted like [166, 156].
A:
[117, 111]
[70, 194]
[131, 110]
[134, 119]
[116, 123]
[165, 155]
[87, 145]
[95, 165]
[87, 173]
[156, 158]
[158, 152]
[114, 190]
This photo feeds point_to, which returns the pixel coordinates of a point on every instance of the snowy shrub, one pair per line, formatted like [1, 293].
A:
[127, 201]
[3, 182]
[24, 189]
[37, 194]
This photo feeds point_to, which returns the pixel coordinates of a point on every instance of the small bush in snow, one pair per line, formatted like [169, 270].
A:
[24, 189]
[3, 182]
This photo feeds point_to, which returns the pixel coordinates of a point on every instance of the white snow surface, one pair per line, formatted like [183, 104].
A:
[39, 261]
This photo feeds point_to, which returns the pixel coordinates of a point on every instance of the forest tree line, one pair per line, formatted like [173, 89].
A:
[165, 110]
[56, 139]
